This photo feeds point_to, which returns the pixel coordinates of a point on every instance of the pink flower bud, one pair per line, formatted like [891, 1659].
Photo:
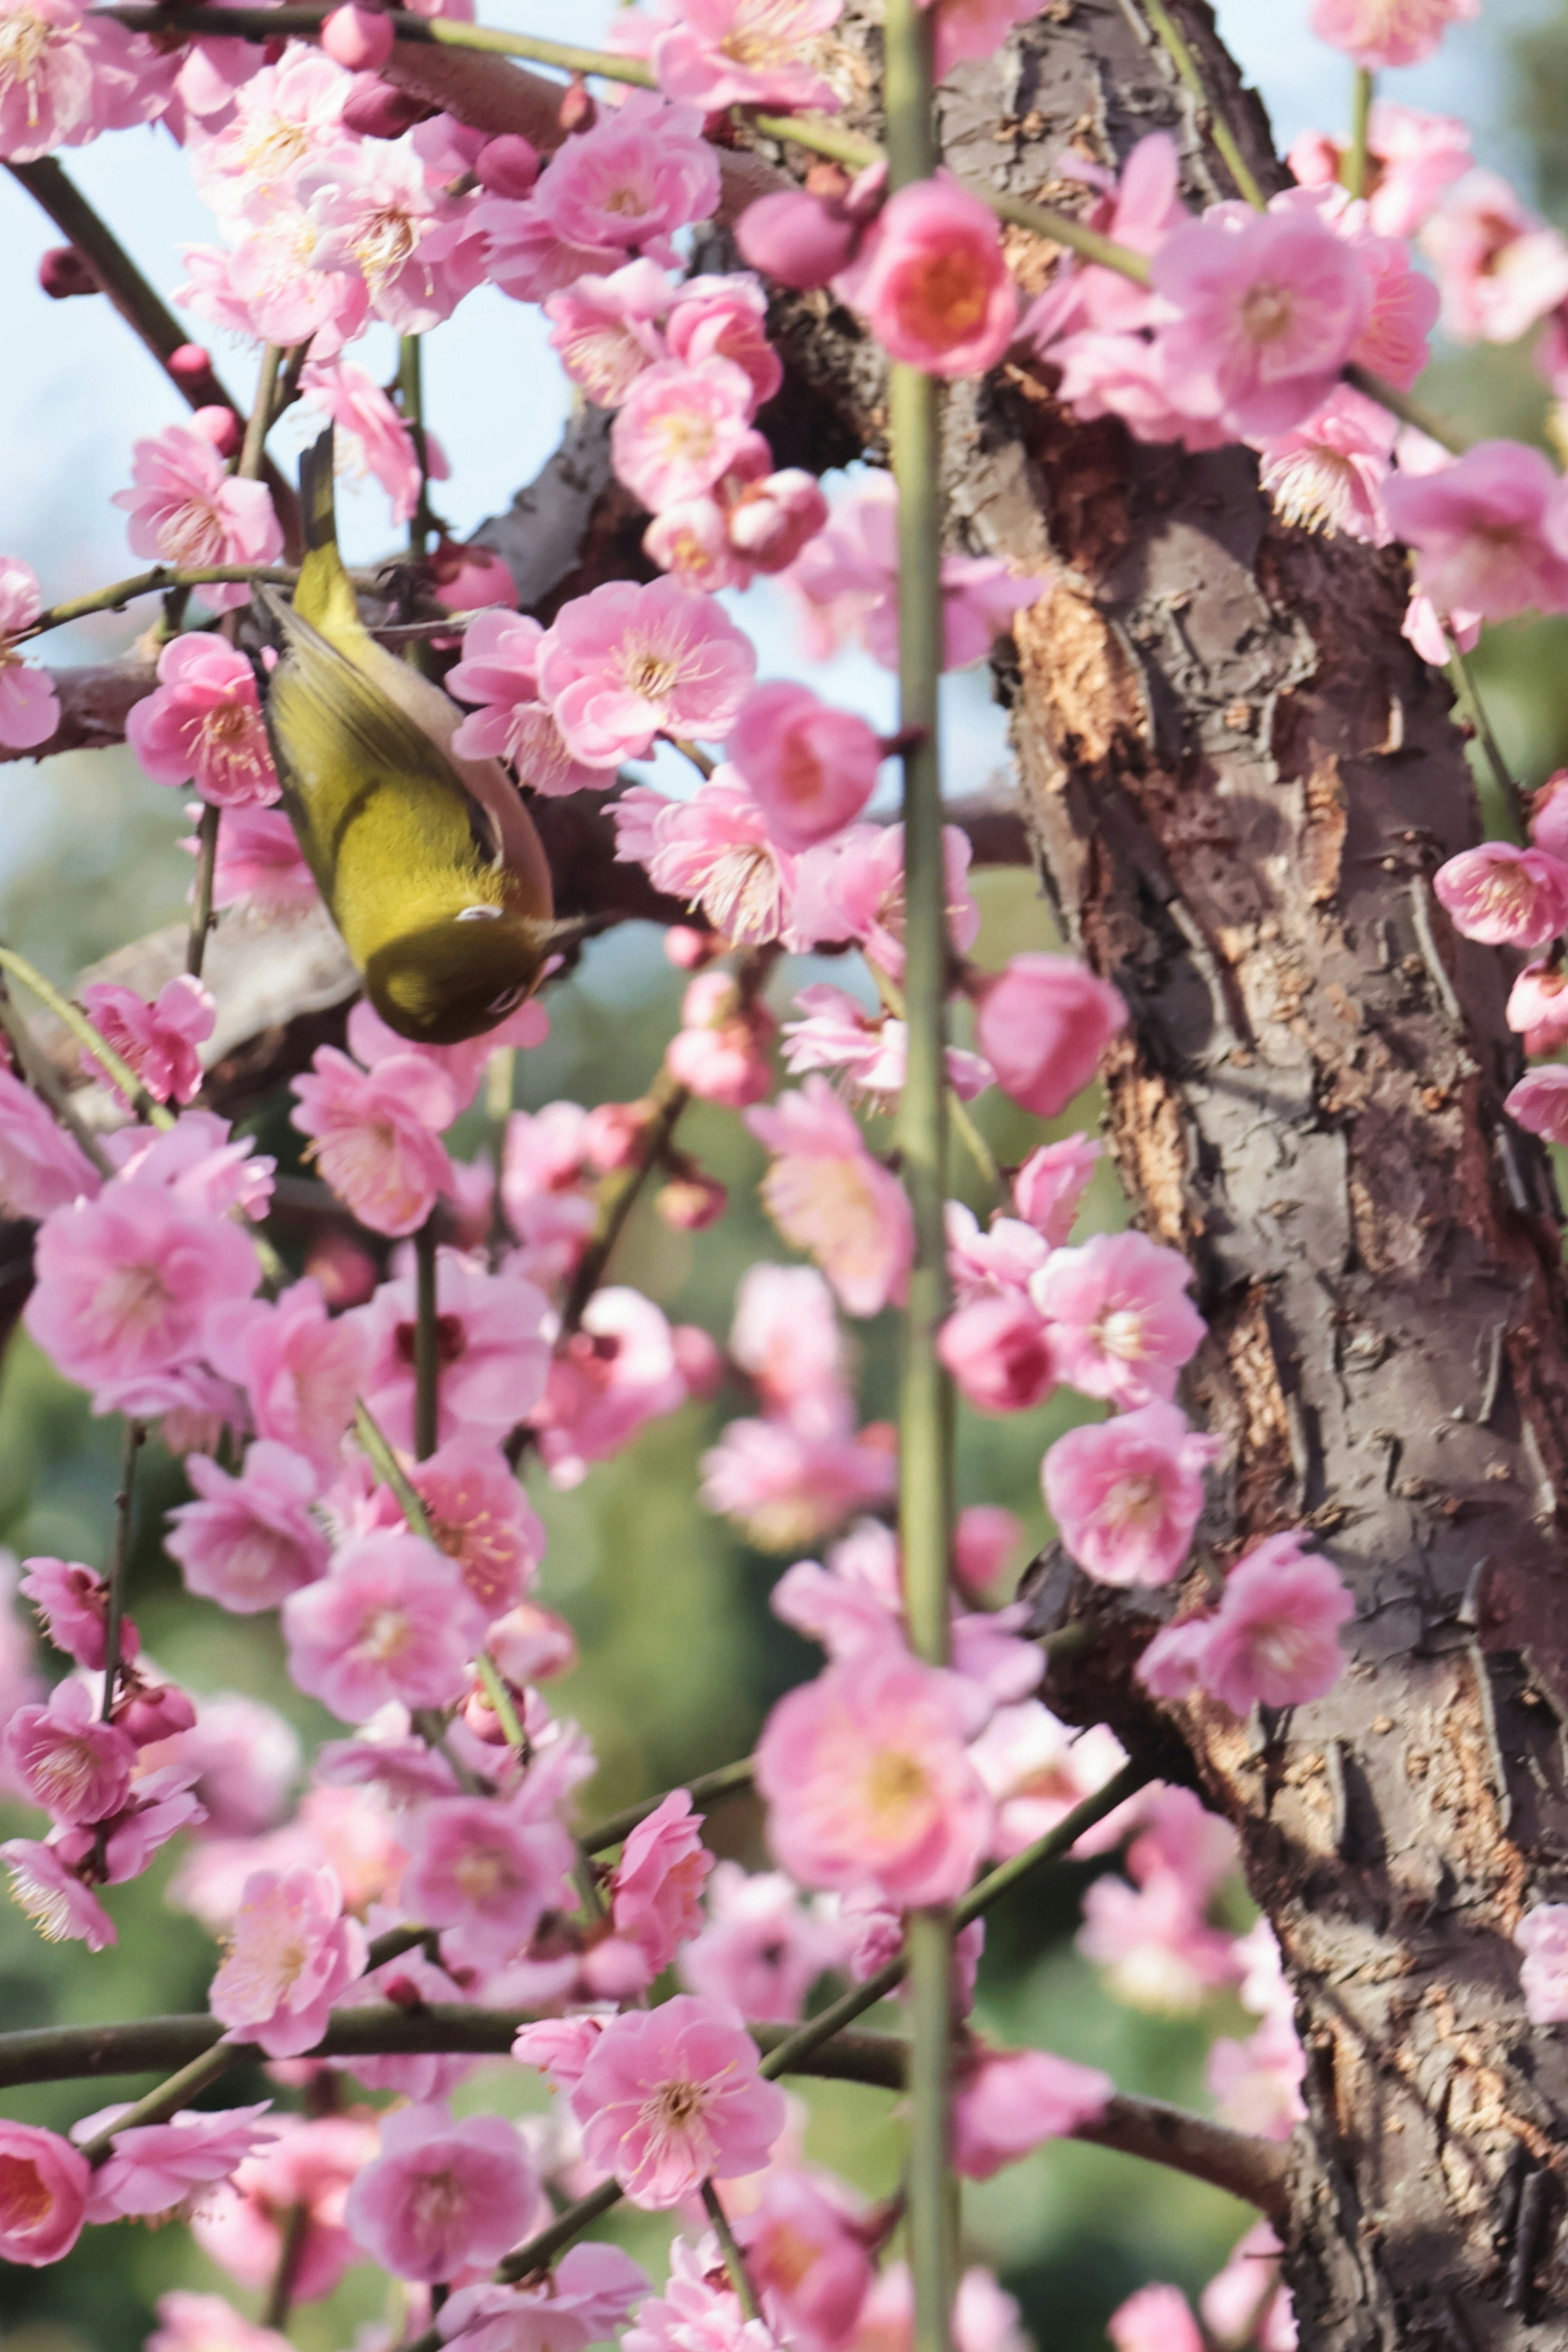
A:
[155, 1711]
[44, 2185]
[1538, 1007]
[699, 1359]
[376, 110]
[689, 1202]
[343, 1272]
[466, 578]
[774, 519]
[62, 272]
[578, 110]
[1540, 1103]
[481, 1719]
[795, 238]
[612, 1134]
[998, 1352]
[530, 1645]
[357, 37]
[812, 769]
[507, 166]
[1043, 1025]
[1548, 815]
[220, 426]
[984, 1540]
[1504, 896]
[189, 364]
[688, 949]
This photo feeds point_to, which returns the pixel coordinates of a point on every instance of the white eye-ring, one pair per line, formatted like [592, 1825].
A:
[478, 915]
[509, 1000]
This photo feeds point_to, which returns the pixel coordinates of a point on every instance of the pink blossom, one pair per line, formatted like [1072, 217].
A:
[125, 1283]
[67, 76]
[1484, 530]
[158, 1041]
[60, 1907]
[30, 707]
[1138, 209]
[715, 852]
[153, 2166]
[77, 1768]
[670, 2097]
[442, 2198]
[371, 1042]
[73, 1602]
[1266, 309]
[204, 724]
[1413, 157]
[1379, 33]
[292, 1953]
[1504, 896]
[847, 581]
[932, 281]
[1256, 2084]
[656, 1888]
[606, 329]
[810, 768]
[487, 1870]
[249, 1542]
[259, 860]
[371, 437]
[974, 28]
[761, 1950]
[718, 53]
[1500, 267]
[985, 1539]
[494, 1358]
[1156, 1945]
[41, 1167]
[1119, 1323]
[867, 1781]
[584, 2301]
[1542, 1937]
[1157, 2318]
[309, 2164]
[187, 510]
[1123, 374]
[196, 1163]
[725, 317]
[1237, 2302]
[827, 1194]
[44, 2188]
[1328, 474]
[624, 664]
[719, 1053]
[527, 258]
[246, 1756]
[418, 250]
[1273, 1641]
[1011, 2100]
[1127, 1492]
[481, 1519]
[1540, 1103]
[299, 1367]
[283, 117]
[1537, 1006]
[805, 2247]
[679, 428]
[1037, 1770]
[999, 1353]
[615, 1373]
[394, 1620]
[786, 1337]
[377, 1135]
[1404, 307]
[205, 2323]
[787, 1486]
[640, 173]
[530, 1645]
[852, 887]
[1042, 1025]
[1049, 1186]
[360, 39]
[870, 1050]
[698, 2306]
[802, 239]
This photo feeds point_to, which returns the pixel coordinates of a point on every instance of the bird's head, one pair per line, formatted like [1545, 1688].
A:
[460, 974]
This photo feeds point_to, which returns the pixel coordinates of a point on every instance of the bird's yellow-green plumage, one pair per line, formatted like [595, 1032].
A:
[428, 862]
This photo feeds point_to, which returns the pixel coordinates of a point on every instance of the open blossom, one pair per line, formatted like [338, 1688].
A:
[805, 2244]
[249, 1542]
[1011, 2100]
[125, 1283]
[442, 2197]
[719, 53]
[482, 1519]
[999, 1353]
[44, 2186]
[670, 2097]
[158, 1041]
[1049, 1185]
[617, 1371]
[202, 724]
[585, 2300]
[394, 1621]
[77, 1768]
[1043, 1025]
[624, 664]
[1274, 1640]
[827, 1194]
[933, 280]
[1540, 1103]
[1328, 474]
[309, 2165]
[715, 852]
[30, 707]
[1416, 156]
[371, 437]
[852, 888]
[299, 1367]
[73, 1601]
[259, 860]
[1267, 309]
[1121, 1322]
[787, 1486]
[418, 250]
[1503, 896]
[60, 1907]
[679, 429]
[1127, 1492]
[868, 1783]
[154, 2166]
[205, 2323]
[1378, 33]
[870, 1050]
[66, 75]
[186, 510]
[41, 1167]
[606, 329]
[494, 1356]
[283, 119]
[656, 1889]
[1255, 2084]
[291, 1954]
[812, 769]
[1537, 1006]
[377, 1135]
[499, 671]
[1485, 530]
[487, 1869]
[1499, 265]
[1237, 2303]
[719, 1052]
[762, 1948]
[1154, 2319]
[641, 171]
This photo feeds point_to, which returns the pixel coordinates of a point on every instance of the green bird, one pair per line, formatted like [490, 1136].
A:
[429, 863]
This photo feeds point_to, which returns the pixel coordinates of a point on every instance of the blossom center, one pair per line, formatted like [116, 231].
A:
[1120, 1333]
[675, 2107]
[133, 1298]
[482, 1872]
[24, 43]
[895, 1784]
[1134, 1502]
[451, 1341]
[24, 2202]
[1267, 310]
[387, 1635]
[950, 295]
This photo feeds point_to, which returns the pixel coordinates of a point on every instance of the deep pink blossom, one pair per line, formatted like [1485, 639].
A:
[698, 2306]
[1378, 33]
[41, 1167]
[1274, 1639]
[158, 1041]
[371, 1042]
[247, 1757]
[1537, 1006]
[670, 2097]
[487, 1870]
[299, 1367]
[719, 53]
[932, 281]
[283, 117]
[1503, 896]
[810, 768]
[1485, 530]
[640, 173]
[154, 2166]
[1266, 310]
[1011, 2100]
[493, 1357]
[291, 1954]
[1121, 1322]
[73, 1601]
[1540, 1103]
[1127, 1492]
[679, 429]
[827, 1194]
[204, 725]
[186, 510]
[716, 852]
[63, 1759]
[418, 250]
[869, 1050]
[442, 2197]
[394, 1621]
[1048, 1188]
[719, 1052]
[656, 1887]
[724, 318]
[482, 1519]
[999, 1353]
[499, 671]
[624, 664]
[1042, 1025]
[44, 2186]
[249, 1542]
[867, 1781]
[30, 707]
[259, 860]
[805, 2247]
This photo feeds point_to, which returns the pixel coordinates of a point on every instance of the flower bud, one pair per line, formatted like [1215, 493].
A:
[794, 239]
[359, 36]
[376, 110]
[691, 1201]
[62, 272]
[220, 426]
[507, 166]
[688, 949]
[578, 110]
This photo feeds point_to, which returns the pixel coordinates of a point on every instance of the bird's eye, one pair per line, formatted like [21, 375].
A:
[478, 915]
[508, 1001]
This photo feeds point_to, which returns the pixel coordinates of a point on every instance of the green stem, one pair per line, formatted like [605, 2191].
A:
[500, 1700]
[202, 888]
[620, 1199]
[44, 1078]
[1407, 410]
[270, 24]
[411, 400]
[155, 583]
[1355, 173]
[730, 2247]
[427, 1343]
[706, 1786]
[170, 2096]
[118, 1564]
[979, 1151]
[1464, 678]
[290, 2252]
[82, 1030]
[1174, 43]
[376, 1446]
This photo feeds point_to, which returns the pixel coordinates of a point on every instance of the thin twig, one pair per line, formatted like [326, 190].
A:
[1464, 678]
[1174, 43]
[202, 888]
[1355, 160]
[156, 582]
[171, 2096]
[730, 2247]
[290, 2253]
[375, 1442]
[426, 1342]
[621, 1198]
[81, 1029]
[119, 1564]
[702, 1789]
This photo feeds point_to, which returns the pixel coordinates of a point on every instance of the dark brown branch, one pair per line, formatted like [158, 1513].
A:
[95, 700]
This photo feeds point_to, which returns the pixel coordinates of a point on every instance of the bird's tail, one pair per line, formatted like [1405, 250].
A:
[316, 504]
[322, 594]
